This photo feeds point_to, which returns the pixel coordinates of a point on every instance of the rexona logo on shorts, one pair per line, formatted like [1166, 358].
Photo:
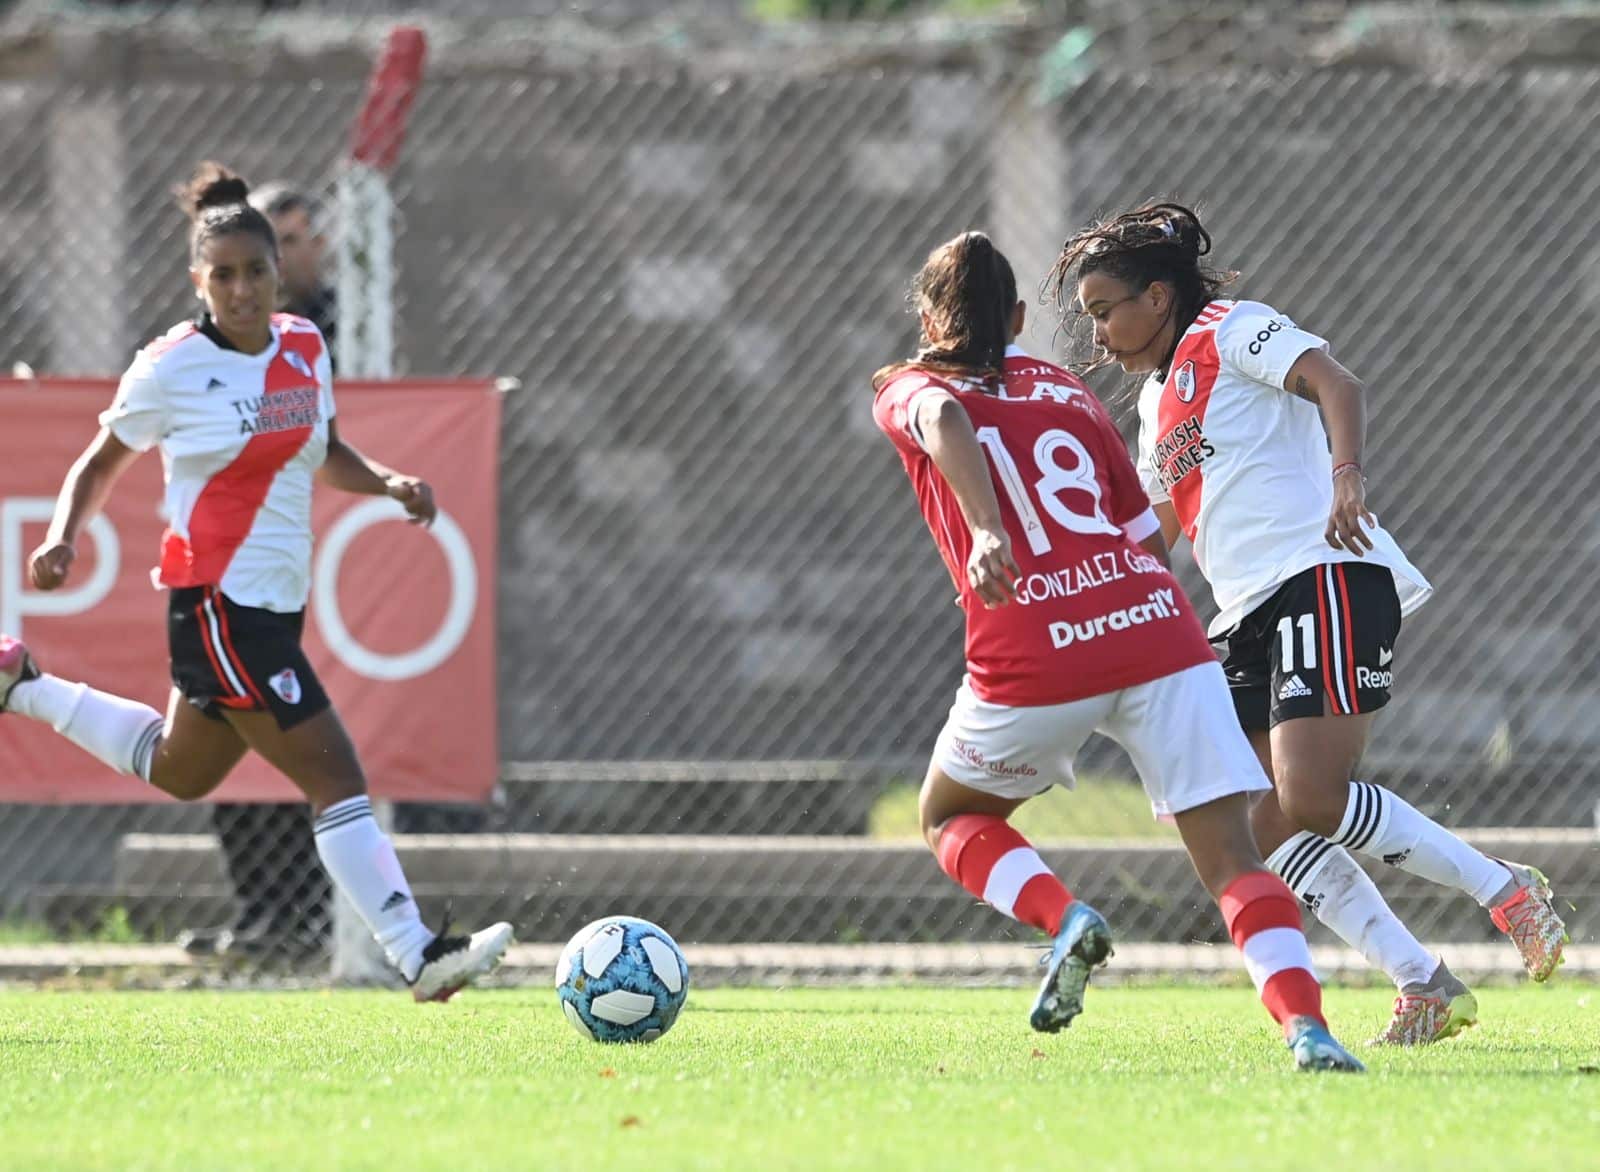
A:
[1163, 604]
[1367, 678]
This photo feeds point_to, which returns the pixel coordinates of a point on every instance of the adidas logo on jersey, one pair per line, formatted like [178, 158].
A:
[1293, 688]
[216, 384]
[396, 899]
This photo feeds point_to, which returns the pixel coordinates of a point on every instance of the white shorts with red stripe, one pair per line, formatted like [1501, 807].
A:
[1322, 644]
[1180, 731]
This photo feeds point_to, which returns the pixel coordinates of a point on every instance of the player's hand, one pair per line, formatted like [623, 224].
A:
[416, 496]
[1349, 510]
[50, 564]
[991, 570]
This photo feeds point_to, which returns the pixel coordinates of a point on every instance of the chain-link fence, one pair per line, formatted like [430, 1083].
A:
[722, 623]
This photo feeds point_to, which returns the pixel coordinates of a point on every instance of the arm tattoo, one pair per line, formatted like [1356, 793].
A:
[1303, 388]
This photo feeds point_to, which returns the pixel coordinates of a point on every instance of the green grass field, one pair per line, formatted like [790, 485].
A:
[1100, 807]
[877, 1079]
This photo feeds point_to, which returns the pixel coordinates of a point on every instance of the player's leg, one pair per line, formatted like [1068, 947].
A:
[119, 732]
[1433, 1003]
[317, 755]
[1321, 874]
[989, 759]
[185, 753]
[1341, 632]
[968, 832]
[1197, 767]
[279, 709]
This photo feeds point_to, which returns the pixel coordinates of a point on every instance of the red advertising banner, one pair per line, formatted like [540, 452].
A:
[401, 621]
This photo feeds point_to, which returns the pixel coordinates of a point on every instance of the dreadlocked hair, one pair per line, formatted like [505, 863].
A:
[968, 290]
[217, 203]
[1155, 242]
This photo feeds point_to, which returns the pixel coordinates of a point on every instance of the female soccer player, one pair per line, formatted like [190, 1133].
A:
[1076, 628]
[1233, 451]
[241, 404]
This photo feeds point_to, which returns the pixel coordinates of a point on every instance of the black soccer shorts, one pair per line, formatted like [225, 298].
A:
[229, 656]
[1323, 643]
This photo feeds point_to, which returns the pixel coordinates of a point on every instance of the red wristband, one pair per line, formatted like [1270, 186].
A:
[1347, 466]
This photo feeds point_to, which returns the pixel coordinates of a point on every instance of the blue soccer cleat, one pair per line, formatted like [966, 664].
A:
[1314, 1048]
[1083, 944]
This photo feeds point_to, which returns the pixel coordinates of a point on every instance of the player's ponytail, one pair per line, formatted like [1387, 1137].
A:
[217, 202]
[968, 292]
[1154, 242]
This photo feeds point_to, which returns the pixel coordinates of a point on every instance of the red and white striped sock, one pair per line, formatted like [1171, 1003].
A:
[1263, 918]
[990, 859]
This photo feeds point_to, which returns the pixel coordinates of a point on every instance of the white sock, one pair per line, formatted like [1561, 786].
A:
[1340, 894]
[360, 859]
[122, 733]
[1380, 823]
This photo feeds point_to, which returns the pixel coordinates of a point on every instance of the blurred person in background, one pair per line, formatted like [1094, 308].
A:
[283, 913]
[1251, 442]
[241, 404]
[300, 222]
[1077, 628]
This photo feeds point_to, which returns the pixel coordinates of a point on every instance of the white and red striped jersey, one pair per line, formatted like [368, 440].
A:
[1093, 612]
[1246, 464]
[241, 438]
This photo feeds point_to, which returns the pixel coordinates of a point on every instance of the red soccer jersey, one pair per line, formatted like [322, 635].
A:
[1093, 612]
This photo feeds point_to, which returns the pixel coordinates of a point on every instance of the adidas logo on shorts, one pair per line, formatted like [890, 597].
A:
[1293, 688]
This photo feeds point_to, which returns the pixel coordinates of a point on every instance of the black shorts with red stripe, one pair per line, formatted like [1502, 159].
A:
[1323, 643]
[242, 657]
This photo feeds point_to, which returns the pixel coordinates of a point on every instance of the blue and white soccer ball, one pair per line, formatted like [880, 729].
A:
[622, 979]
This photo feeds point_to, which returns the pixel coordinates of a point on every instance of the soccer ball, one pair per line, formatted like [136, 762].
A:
[622, 979]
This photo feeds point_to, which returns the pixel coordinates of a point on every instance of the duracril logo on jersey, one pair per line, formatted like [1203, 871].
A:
[1158, 605]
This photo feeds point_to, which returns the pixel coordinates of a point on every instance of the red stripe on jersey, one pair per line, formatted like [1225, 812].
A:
[1349, 639]
[227, 506]
[1180, 420]
[1326, 640]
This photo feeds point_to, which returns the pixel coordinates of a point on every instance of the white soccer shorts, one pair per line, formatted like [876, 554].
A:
[1180, 730]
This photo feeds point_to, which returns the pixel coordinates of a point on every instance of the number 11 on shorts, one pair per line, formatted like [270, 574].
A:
[1308, 641]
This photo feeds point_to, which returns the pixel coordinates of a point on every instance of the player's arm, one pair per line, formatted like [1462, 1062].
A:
[1156, 546]
[1316, 377]
[1171, 529]
[83, 494]
[948, 438]
[349, 471]
[1145, 514]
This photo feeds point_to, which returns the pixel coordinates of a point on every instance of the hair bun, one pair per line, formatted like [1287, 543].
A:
[220, 192]
[212, 186]
[1182, 226]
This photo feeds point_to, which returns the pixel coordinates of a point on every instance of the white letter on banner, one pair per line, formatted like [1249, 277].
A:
[457, 617]
[16, 600]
